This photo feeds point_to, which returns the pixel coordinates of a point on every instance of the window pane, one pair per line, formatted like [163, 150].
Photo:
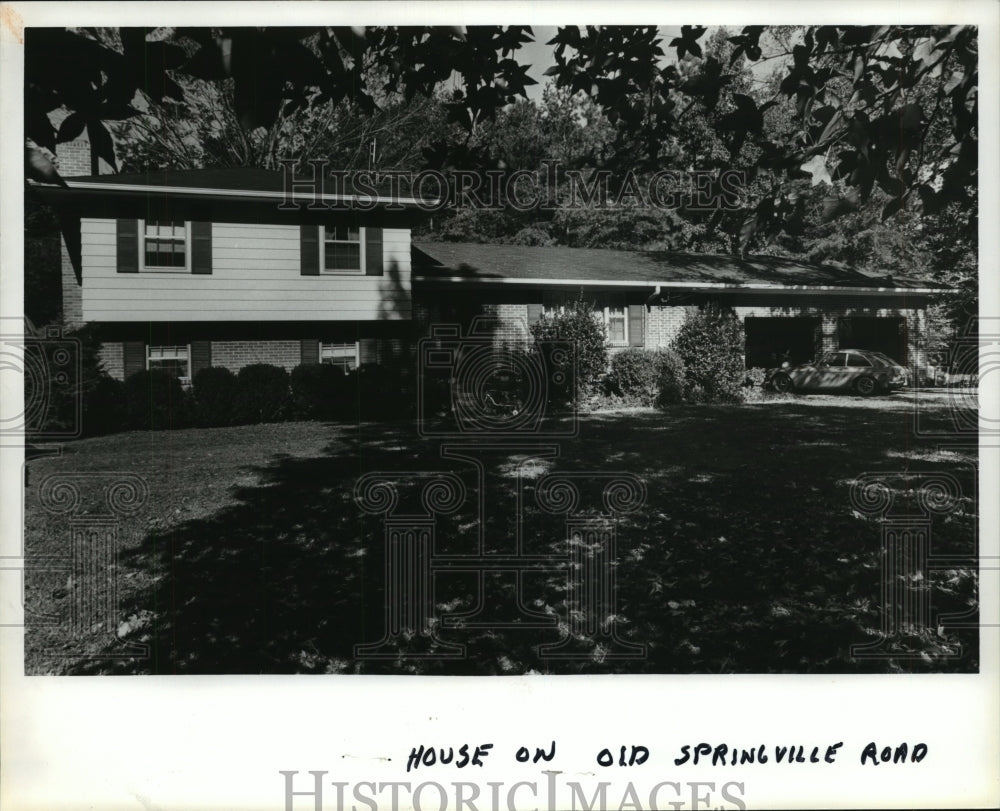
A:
[165, 244]
[343, 256]
[616, 330]
[173, 359]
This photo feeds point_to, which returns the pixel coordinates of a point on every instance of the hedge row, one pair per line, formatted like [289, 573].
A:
[154, 399]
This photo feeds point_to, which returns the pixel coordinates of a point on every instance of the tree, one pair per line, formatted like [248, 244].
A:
[273, 71]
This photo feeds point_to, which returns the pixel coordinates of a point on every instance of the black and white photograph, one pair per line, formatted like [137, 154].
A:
[499, 350]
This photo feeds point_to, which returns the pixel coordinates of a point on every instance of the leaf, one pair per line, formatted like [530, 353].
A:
[71, 128]
[100, 140]
[816, 167]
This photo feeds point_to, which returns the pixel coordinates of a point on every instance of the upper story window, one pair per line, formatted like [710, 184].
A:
[343, 249]
[165, 245]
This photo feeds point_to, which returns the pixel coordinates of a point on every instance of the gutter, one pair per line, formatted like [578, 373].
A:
[693, 286]
[263, 195]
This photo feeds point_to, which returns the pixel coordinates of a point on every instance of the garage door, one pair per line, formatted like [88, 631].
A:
[886, 335]
[769, 341]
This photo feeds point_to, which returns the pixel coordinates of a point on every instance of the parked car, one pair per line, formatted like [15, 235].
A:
[859, 370]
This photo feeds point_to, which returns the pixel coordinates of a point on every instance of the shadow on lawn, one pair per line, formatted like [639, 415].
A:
[746, 557]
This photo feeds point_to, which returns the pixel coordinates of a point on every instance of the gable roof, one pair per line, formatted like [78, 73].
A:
[471, 262]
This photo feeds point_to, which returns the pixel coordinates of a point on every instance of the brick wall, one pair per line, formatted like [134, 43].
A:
[663, 322]
[112, 358]
[234, 355]
[72, 292]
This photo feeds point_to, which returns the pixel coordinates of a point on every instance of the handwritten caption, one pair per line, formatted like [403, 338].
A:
[873, 754]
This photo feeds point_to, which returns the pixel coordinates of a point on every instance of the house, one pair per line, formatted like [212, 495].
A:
[790, 309]
[188, 269]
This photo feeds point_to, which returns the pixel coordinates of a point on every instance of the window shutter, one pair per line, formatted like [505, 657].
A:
[127, 244]
[201, 356]
[309, 351]
[373, 252]
[309, 248]
[636, 324]
[134, 357]
[845, 333]
[201, 247]
[534, 313]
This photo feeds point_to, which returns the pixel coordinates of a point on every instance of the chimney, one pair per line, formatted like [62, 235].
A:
[73, 158]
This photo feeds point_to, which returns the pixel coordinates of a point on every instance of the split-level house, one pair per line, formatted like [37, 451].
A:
[188, 269]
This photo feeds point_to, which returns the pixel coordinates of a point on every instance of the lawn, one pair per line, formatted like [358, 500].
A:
[251, 556]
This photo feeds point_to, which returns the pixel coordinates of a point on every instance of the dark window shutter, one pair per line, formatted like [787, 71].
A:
[309, 351]
[201, 247]
[845, 333]
[309, 247]
[636, 324]
[367, 351]
[534, 313]
[201, 356]
[373, 252]
[127, 242]
[134, 357]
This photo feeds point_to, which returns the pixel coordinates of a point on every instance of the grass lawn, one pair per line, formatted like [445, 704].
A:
[250, 555]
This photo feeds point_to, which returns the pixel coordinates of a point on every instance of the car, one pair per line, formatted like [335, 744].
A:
[860, 370]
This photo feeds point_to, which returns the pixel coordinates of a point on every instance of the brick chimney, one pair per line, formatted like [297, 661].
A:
[73, 159]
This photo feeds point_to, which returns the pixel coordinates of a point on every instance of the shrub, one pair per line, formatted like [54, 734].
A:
[214, 396]
[671, 378]
[578, 325]
[756, 376]
[710, 343]
[104, 408]
[261, 393]
[154, 400]
[638, 375]
[320, 391]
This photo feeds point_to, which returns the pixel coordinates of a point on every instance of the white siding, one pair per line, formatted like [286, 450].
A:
[255, 277]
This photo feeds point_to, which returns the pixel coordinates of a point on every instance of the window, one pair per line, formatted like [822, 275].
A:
[835, 359]
[343, 249]
[857, 360]
[611, 310]
[343, 356]
[173, 359]
[165, 245]
[616, 321]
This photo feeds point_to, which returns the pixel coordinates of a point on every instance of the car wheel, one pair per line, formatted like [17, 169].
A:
[866, 386]
[782, 383]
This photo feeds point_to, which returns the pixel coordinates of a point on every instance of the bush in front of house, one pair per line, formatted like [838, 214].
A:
[214, 397]
[154, 400]
[710, 344]
[320, 391]
[577, 325]
[634, 376]
[671, 378]
[105, 408]
[261, 393]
